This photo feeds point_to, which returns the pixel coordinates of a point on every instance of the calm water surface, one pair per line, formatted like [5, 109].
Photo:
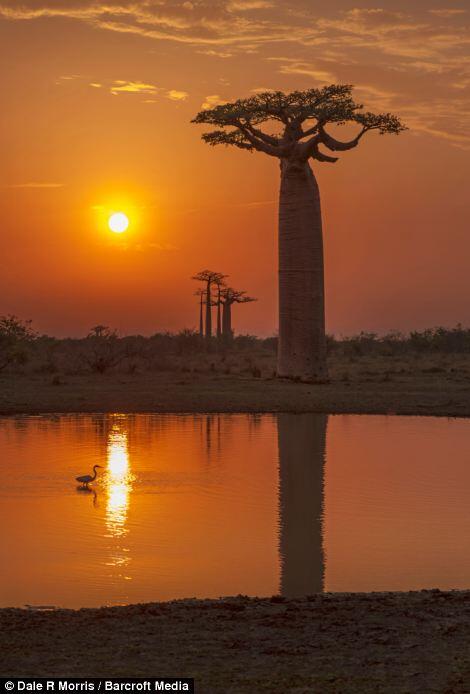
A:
[210, 505]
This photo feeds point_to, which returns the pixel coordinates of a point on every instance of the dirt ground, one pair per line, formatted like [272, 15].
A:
[432, 385]
[343, 643]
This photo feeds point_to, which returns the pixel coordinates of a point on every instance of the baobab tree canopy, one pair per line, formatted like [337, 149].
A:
[234, 296]
[303, 123]
[314, 107]
[228, 297]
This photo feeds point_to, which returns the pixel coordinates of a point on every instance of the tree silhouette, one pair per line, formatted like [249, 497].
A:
[300, 119]
[201, 293]
[102, 331]
[15, 336]
[103, 350]
[228, 297]
[219, 304]
[209, 278]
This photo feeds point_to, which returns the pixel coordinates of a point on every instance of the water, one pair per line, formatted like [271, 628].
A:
[211, 505]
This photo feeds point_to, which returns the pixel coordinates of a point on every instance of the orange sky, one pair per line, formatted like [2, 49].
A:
[97, 99]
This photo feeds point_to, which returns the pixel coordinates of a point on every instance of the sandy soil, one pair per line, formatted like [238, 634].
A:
[369, 386]
[358, 643]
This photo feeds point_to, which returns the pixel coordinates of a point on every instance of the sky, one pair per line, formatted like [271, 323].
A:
[95, 118]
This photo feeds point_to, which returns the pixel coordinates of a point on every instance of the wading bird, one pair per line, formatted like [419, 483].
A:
[86, 479]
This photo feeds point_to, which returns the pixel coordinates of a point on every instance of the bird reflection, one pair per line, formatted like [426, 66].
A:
[301, 440]
[87, 490]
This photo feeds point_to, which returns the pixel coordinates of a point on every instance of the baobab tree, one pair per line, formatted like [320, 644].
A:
[209, 278]
[201, 294]
[218, 302]
[301, 119]
[228, 297]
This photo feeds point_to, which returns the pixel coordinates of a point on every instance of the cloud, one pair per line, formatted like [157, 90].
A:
[375, 92]
[150, 89]
[230, 23]
[247, 5]
[176, 95]
[255, 203]
[132, 87]
[199, 24]
[38, 185]
[448, 12]
[459, 141]
[212, 100]
[217, 54]
[117, 87]
[414, 61]
[282, 58]
[78, 10]
[296, 68]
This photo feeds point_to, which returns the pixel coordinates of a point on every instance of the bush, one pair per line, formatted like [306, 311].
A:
[103, 350]
[16, 337]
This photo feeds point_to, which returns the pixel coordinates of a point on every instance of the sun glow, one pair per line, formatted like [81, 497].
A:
[118, 222]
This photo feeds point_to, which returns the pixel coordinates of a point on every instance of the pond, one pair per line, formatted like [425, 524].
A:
[212, 505]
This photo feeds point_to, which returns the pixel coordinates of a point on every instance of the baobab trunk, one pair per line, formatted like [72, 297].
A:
[208, 313]
[228, 332]
[201, 320]
[302, 342]
[224, 322]
[219, 324]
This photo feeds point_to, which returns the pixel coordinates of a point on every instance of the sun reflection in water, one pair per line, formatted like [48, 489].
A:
[118, 481]
[118, 484]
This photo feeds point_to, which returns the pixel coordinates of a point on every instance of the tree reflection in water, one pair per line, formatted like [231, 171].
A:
[302, 439]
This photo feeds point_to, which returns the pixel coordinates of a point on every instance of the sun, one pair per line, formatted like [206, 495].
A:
[118, 222]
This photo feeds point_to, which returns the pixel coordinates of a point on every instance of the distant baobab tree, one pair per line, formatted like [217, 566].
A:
[209, 278]
[301, 118]
[201, 293]
[228, 297]
[218, 303]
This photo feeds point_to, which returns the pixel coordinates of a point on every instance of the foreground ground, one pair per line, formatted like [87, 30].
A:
[413, 384]
[356, 643]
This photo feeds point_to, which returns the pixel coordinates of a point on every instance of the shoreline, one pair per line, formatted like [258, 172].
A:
[330, 642]
[415, 395]
[179, 413]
